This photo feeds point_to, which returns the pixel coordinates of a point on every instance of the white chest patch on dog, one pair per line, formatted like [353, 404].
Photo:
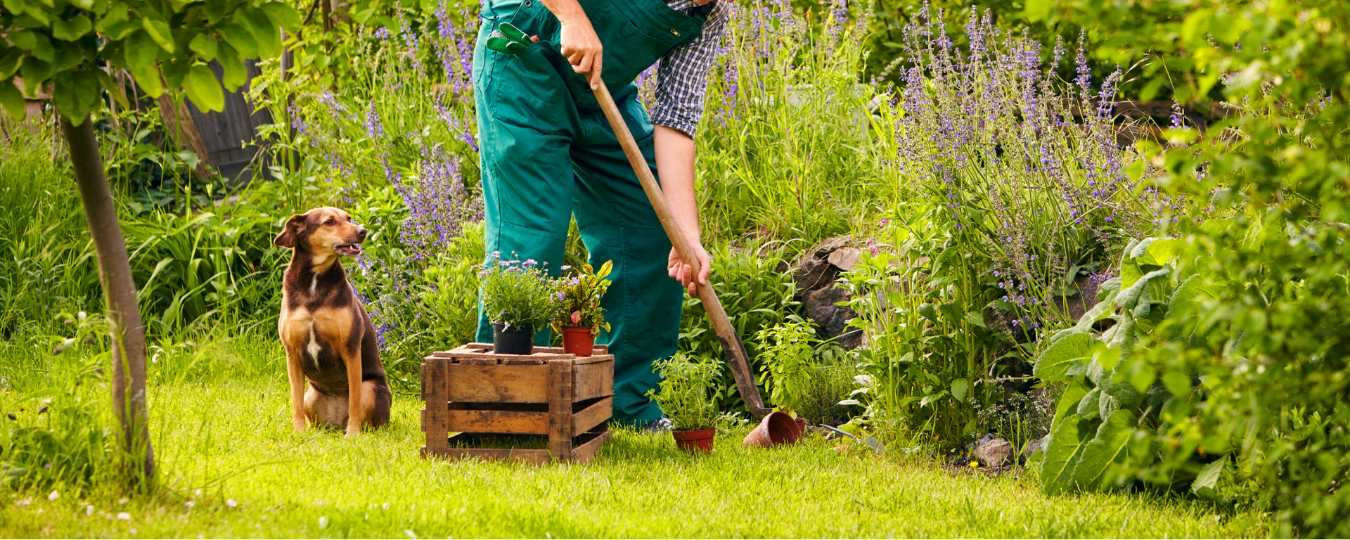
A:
[313, 347]
[314, 285]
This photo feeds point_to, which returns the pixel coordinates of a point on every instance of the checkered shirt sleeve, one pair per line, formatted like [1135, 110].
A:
[682, 74]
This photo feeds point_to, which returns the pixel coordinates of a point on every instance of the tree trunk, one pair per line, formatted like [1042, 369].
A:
[186, 133]
[137, 458]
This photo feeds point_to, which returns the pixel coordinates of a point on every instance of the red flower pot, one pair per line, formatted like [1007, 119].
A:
[776, 428]
[578, 340]
[694, 440]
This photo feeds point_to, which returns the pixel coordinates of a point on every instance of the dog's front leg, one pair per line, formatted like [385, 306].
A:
[297, 379]
[355, 412]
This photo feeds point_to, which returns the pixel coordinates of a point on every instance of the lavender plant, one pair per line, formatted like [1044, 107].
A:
[1028, 166]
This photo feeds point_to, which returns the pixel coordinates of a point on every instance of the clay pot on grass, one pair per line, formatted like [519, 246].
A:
[694, 440]
[519, 339]
[776, 428]
[801, 427]
[578, 340]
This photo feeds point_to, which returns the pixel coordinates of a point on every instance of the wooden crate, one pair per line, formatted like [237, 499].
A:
[478, 395]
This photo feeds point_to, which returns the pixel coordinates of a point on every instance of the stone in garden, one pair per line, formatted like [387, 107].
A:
[831, 319]
[815, 276]
[995, 452]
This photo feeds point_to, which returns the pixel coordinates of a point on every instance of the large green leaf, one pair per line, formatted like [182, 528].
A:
[1207, 482]
[1055, 362]
[159, 31]
[12, 100]
[1068, 399]
[71, 29]
[141, 51]
[204, 46]
[235, 72]
[9, 63]
[282, 15]
[265, 32]
[1062, 453]
[1129, 296]
[74, 94]
[240, 38]
[1105, 449]
[1159, 252]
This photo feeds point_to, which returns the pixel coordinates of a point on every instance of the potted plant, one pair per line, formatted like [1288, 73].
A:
[518, 298]
[688, 397]
[787, 353]
[580, 315]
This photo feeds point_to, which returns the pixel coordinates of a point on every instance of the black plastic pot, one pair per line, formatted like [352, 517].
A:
[519, 339]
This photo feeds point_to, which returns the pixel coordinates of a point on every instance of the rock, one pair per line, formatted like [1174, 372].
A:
[845, 258]
[815, 276]
[1032, 447]
[992, 451]
[831, 319]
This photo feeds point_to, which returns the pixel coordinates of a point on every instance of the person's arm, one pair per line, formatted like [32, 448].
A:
[675, 164]
[578, 40]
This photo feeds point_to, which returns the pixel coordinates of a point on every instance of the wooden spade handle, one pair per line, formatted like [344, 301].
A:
[726, 334]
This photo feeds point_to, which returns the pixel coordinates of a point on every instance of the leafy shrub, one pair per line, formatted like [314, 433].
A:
[786, 354]
[833, 380]
[755, 295]
[688, 391]
[928, 319]
[581, 295]
[53, 433]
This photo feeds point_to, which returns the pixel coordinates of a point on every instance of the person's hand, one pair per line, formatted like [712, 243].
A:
[582, 48]
[691, 276]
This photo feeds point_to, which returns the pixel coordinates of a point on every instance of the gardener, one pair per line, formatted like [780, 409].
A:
[548, 154]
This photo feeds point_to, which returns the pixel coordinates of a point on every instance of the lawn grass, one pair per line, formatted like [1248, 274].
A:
[230, 466]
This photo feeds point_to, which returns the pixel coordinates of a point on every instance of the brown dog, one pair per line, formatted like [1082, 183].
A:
[328, 336]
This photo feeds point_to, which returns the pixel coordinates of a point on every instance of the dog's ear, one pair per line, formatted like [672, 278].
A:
[290, 232]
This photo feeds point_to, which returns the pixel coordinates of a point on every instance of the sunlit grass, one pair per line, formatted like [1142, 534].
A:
[230, 466]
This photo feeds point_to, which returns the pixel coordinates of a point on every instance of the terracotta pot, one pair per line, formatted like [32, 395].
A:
[801, 427]
[776, 428]
[694, 440]
[518, 340]
[578, 340]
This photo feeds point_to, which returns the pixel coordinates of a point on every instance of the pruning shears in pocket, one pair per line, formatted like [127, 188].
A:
[508, 39]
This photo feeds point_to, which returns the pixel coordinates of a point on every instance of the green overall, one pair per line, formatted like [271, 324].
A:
[548, 153]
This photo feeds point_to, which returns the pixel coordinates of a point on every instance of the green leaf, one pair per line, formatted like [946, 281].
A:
[1061, 455]
[1105, 449]
[283, 15]
[1177, 384]
[959, 389]
[14, 6]
[1207, 482]
[1129, 296]
[73, 29]
[1090, 404]
[265, 32]
[976, 318]
[204, 46]
[1159, 252]
[74, 94]
[175, 71]
[203, 89]
[148, 78]
[12, 100]
[236, 73]
[141, 51]
[35, 73]
[240, 38]
[9, 62]
[1055, 362]
[215, 10]
[1072, 396]
[159, 31]
[110, 19]
[82, 4]
[114, 90]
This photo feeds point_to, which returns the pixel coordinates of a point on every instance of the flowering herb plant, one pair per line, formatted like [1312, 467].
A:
[581, 296]
[518, 293]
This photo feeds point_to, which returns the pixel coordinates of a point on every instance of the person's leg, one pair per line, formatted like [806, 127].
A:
[525, 132]
[618, 224]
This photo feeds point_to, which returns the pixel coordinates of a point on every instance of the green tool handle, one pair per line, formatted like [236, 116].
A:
[726, 333]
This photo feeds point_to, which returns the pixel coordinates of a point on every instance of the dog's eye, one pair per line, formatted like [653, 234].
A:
[329, 222]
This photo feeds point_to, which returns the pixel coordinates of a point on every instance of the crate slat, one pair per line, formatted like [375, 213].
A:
[587, 449]
[594, 380]
[501, 384]
[512, 422]
[593, 415]
[560, 408]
